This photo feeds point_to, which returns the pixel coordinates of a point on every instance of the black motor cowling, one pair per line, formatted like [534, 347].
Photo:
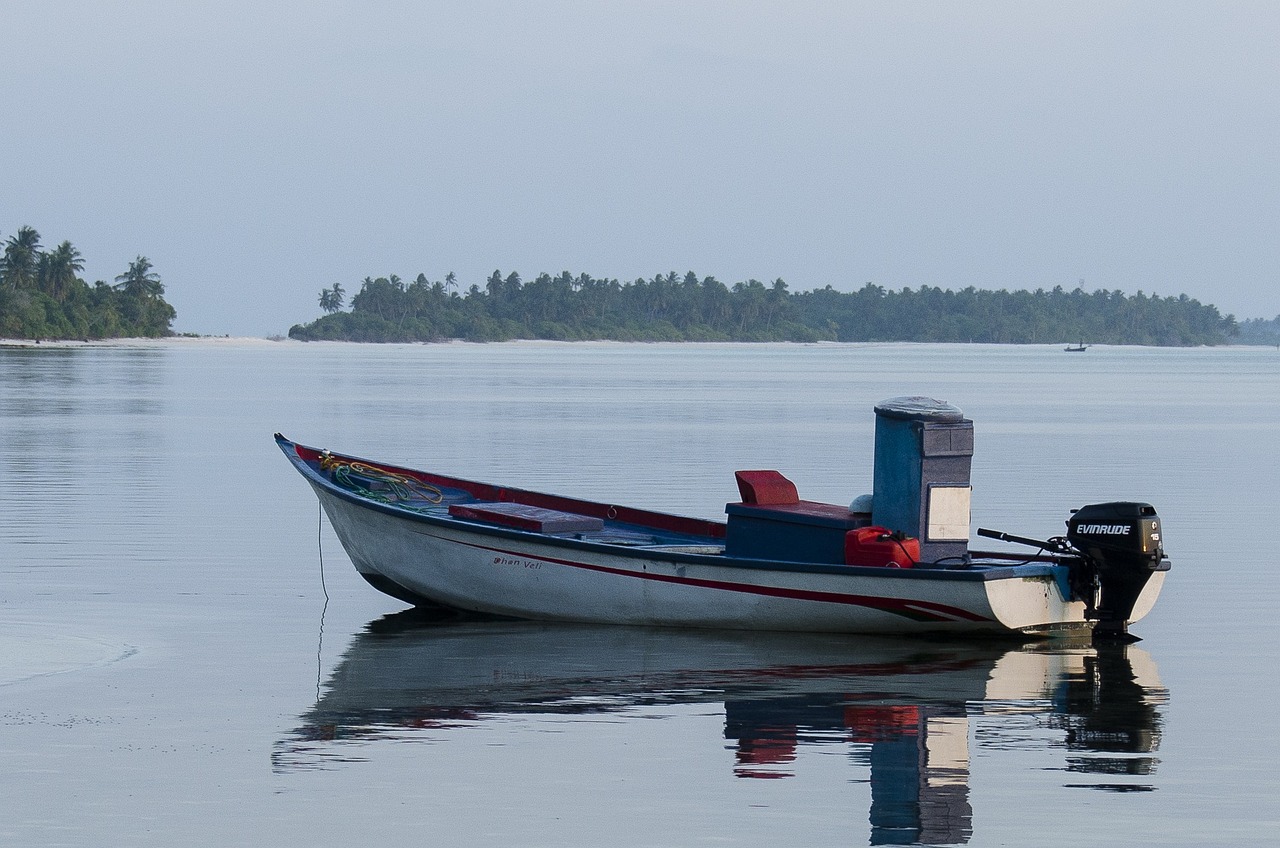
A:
[1121, 546]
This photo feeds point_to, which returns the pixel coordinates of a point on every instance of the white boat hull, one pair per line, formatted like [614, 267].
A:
[525, 575]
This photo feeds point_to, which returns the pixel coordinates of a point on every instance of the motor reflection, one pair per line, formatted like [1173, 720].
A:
[907, 712]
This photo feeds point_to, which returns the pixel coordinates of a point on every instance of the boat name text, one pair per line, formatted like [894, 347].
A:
[526, 563]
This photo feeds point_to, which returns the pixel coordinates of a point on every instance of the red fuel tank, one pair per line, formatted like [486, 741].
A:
[879, 546]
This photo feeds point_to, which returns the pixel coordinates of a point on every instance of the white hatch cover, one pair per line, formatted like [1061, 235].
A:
[947, 514]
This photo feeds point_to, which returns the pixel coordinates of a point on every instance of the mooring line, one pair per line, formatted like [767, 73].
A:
[325, 608]
[320, 548]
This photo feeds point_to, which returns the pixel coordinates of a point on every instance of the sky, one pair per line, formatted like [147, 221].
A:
[258, 152]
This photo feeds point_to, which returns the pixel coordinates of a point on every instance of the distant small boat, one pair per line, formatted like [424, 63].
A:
[899, 562]
[1080, 348]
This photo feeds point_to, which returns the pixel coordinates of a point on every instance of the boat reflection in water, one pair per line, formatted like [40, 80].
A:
[908, 710]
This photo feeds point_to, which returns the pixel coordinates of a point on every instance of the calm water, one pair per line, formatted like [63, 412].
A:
[187, 657]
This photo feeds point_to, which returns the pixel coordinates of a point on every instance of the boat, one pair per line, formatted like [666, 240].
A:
[897, 561]
[1080, 348]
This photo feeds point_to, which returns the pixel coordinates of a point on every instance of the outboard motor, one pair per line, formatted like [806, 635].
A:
[1121, 547]
[1111, 550]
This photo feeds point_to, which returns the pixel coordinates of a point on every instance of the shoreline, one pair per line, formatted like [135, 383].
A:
[259, 341]
[136, 342]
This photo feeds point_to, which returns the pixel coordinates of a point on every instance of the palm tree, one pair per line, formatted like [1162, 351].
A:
[140, 281]
[331, 299]
[775, 302]
[21, 258]
[58, 270]
[749, 298]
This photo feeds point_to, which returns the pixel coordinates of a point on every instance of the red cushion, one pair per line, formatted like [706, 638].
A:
[766, 487]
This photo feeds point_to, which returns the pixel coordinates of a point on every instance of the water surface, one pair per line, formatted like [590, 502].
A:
[187, 657]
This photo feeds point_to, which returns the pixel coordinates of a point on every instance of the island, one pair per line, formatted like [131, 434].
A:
[671, 307]
[42, 296]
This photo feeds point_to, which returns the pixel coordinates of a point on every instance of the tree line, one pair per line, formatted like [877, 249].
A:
[1260, 331]
[670, 307]
[43, 297]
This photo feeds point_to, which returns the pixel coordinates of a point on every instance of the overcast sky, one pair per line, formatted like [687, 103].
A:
[258, 152]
